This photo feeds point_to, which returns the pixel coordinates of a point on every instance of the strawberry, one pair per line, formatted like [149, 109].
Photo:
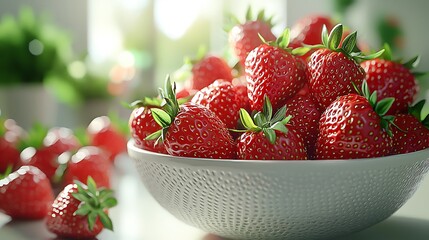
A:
[392, 79]
[142, 124]
[332, 70]
[206, 69]
[305, 120]
[88, 161]
[60, 139]
[268, 138]
[81, 211]
[221, 98]
[355, 126]
[244, 37]
[241, 96]
[272, 71]
[10, 134]
[190, 130]
[26, 194]
[412, 130]
[307, 31]
[105, 134]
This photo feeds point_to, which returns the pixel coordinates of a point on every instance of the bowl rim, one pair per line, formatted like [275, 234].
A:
[418, 156]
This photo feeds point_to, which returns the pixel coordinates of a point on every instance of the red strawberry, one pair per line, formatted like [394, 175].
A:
[392, 79]
[191, 130]
[104, 134]
[332, 70]
[355, 126]
[10, 134]
[80, 212]
[305, 120]
[88, 161]
[268, 138]
[241, 96]
[307, 31]
[208, 69]
[412, 130]
[26, 194]
[42, 158]
[142, 124]
[273, 71]
[60, 140]
[244, 37]
[221, 98]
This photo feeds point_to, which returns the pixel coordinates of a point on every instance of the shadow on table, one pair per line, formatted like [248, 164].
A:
[394, 228]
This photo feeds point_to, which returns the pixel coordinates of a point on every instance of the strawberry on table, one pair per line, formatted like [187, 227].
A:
[41, 151]
[88, 161]
[142, 124]
[191, 129]
[333, 69]
[271, 70]
[355, 126]
[244, 37]
[81, 211]
[25, 194]
[411, 131]
[10, 134]
[103, 133]
[267, 138]
[392, 79]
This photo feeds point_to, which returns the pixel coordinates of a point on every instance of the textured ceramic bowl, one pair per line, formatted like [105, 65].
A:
[280, 199]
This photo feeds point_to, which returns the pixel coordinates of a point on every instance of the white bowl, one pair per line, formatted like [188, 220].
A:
[313, 199]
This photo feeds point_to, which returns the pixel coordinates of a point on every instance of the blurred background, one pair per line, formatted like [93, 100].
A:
[63, 63]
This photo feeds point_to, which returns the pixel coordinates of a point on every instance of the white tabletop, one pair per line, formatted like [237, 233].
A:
[139, 217]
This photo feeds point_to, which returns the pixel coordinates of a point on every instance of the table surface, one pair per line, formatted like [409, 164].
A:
[139, 217]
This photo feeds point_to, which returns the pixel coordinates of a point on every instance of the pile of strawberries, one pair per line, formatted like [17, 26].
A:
[311, 93]
[42, 163]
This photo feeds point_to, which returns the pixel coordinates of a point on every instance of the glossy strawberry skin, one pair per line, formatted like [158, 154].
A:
[61, 220]
[391, 79]
[43, 158]
[241, 96]
[349, 129]
[410, 135]
[198, 132]
[209, 69]
[89, 161]
[26, 194]
[243, 38]
[330, 75]
[142, 124]
[305, 119]
[220, 98]
[60, 140]
[103, 134]
[255, 146]
[273, 72]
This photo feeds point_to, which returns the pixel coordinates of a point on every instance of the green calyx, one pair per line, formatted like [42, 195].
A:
[260, 16]
[34, 137]
[94, 203]
[6, 172]
[411, 64]
[416, 110]
[2, 127]
[380, 107]
[332, 41]
[165, 116]
[265, 121]
[282, 41]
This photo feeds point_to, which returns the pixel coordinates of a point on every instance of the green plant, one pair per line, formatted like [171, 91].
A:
[30, 48]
